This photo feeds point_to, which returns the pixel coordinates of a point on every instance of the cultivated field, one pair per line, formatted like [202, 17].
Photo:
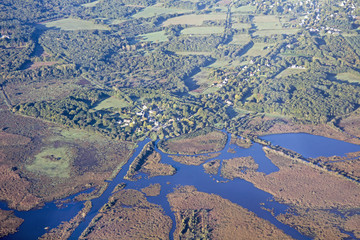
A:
[236, 25]
[243, 9]
[112, 103]
[267, 22]
[240, 39]
[91, 4]
[203, 30]
[289, 71]
[349, 76]
[154, 37]
[157, 10]
[269, 32]
[194, 19]
[69, 24]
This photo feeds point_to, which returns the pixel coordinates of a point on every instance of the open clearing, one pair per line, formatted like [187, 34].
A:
[267, 22]
[91, 4]
[240, 39]
[69, 24]
[241, 25]
[290, 71]
[193, 53]
[259, 49]
[203, 30]
[202, 80]
[112, 103]
[157, 10]
[246, 9]
[194, 19]
[349, 76]
[154, 37]
[53, 162]
[40, 91]
[269, 32]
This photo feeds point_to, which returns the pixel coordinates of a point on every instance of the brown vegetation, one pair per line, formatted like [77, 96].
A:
[207, 216]
[311, 191]
[40, 64]
[15, 190]
[202, 141]
[40, 90]
[351, 125]
[212, 167]
[148, 161]
[241, 142]
[153, 167]
[302, 184]
[8, 139]
[152, 190]
[128, 215]
[237, 167]
[324, 130]
[194, 160]
[8, 223]
[65, 229]
[348, 166]
[320, 224]
[41, 162]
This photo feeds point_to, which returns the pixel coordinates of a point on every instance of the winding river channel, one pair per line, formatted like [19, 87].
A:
[238, 191]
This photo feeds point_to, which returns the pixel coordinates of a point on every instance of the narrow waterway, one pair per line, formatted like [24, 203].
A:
[238, 191]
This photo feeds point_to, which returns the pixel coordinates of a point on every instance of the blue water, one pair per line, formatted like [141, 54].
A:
[311, 145]
[237, 191]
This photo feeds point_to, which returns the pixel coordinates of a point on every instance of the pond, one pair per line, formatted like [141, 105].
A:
[238, 191]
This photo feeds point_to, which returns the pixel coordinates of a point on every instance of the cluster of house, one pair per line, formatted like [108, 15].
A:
[145, 114]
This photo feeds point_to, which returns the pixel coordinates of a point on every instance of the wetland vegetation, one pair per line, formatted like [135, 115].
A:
[83, 82]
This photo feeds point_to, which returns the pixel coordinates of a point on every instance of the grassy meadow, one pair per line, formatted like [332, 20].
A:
[158, 10]
[203, 30]
[289, 71]
[112, 103]
[69, 24]
[154, 37]
[194, 19]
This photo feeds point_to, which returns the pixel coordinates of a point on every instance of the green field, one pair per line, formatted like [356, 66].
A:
[117, 21]
[267, 22]
[241, 25]
[69, 24]
[259, 49]
[269, 32]
[248, 8]
[193, 53]
[194, 19]
[91, 4]
[112, 103]
[203, 30]
[53, 162]
[157, 10]
[240, 39]
[154, 37]
[202, 79]
[289, 71]
[349, 76]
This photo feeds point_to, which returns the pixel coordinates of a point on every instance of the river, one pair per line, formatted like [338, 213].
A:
[238, 191]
